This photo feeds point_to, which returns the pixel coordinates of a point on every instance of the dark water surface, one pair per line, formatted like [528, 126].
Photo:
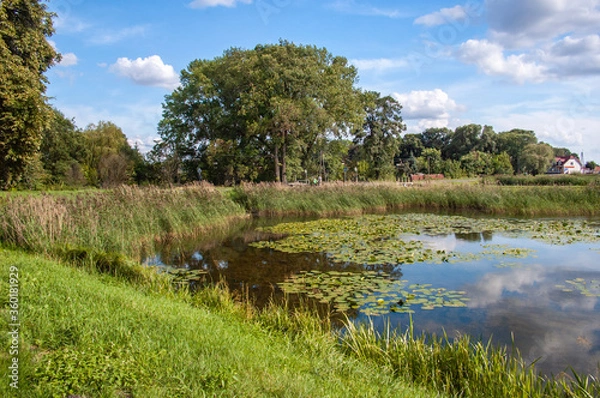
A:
[509, 298]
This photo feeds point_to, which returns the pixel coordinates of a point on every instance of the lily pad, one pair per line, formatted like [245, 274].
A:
[372, 293]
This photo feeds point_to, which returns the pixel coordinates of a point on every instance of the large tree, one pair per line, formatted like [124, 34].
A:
[514, 142]
[272, 102]
[380, 136]
[25, 55]
[537, 158]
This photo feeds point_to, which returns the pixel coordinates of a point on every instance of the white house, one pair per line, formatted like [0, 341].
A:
[566, 165]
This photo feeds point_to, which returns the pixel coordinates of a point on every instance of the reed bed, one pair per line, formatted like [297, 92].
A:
[122, 220]
[546, 180]
[337, 198]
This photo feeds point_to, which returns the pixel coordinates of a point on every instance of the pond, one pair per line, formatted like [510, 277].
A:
[534, 283]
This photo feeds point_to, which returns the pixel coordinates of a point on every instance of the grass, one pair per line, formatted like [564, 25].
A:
[547, 180]
[124, 220]
[331, 199]
[96, 336]
[459, 367]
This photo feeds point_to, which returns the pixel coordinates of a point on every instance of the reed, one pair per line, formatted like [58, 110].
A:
[458, 367]
[122, 220]
[338, 198]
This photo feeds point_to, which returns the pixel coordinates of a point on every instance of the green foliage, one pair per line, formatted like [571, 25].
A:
[109, 158]
[514, 142]
[380, 136]
[537, 158]
[477, 163]
[274, 102]
[63, 151]
[25, 55]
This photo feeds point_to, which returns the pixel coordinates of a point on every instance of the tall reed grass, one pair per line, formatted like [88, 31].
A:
[459, 367]
[335, 198]
[122, 220]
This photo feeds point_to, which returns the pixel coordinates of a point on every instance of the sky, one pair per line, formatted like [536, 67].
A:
[530, 64]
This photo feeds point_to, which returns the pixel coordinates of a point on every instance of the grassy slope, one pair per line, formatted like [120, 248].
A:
[93, 335]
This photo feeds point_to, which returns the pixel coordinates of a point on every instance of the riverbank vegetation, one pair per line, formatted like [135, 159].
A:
[121, 317]
[271, 199]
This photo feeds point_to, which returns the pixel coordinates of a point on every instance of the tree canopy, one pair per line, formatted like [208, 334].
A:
[266, 108]
[25, 55]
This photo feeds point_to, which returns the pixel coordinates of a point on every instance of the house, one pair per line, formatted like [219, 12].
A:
[596, 170]
[566, 165]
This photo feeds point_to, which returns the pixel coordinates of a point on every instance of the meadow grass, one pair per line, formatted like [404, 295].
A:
[89, 335]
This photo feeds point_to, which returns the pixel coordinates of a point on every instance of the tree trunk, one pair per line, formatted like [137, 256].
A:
[283, 160]
[276, 157]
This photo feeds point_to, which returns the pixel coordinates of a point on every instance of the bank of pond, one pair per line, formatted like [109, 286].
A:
[462, 290]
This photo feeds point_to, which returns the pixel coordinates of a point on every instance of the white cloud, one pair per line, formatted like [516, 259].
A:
[379, 65]
[523, 23]
[574, 56]
[150, 71]
[68, 59]
[217, 3]
[111, 37]
[434, 105]
[444, 16]
[490, 59]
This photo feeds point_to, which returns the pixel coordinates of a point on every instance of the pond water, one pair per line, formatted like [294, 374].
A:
[532, 282]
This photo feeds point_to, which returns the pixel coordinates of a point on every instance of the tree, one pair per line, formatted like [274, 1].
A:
[591, 165]
[380, 135]
[25, 55]
[63, 151]
[109, 159]
[464, 140]
[431, 161]
[410, 147]
[537, 158]
[436, 138]
[279, 100]
[514, 142]
[477, 163]
[501, 164]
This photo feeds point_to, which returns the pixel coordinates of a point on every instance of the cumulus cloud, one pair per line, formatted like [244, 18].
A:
[217, 3]
[68, 59]
[523, 23]
[150, 71]
[574, 56]
[490, 59]
[442, 17]
[434, 105]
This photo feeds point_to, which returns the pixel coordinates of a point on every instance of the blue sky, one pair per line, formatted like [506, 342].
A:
[532, 64]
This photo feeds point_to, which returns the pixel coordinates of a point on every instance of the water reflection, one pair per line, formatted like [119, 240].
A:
[554, 327]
